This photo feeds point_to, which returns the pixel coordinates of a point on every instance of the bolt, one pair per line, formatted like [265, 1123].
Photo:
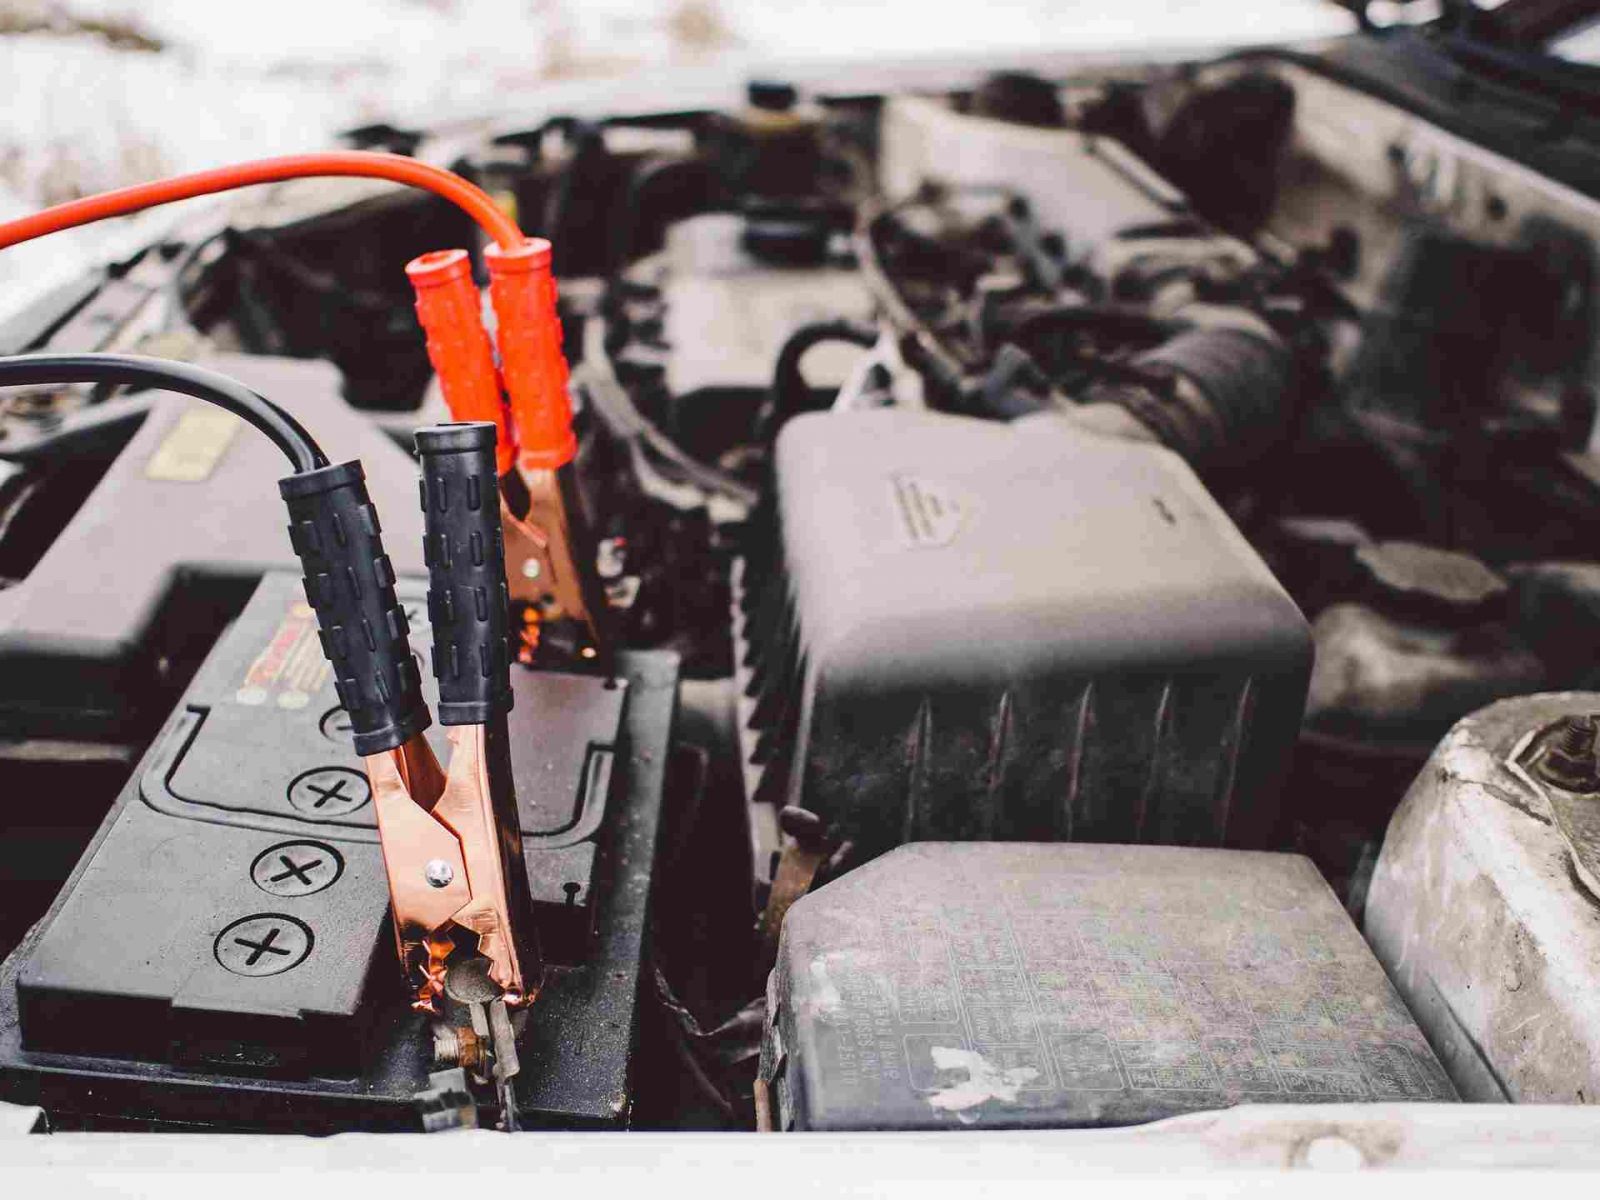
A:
[611, 558]
[446, 1047]
[438, 873]
[530, 568]
[456, 1046]
[1569, 759]
[1577, 737]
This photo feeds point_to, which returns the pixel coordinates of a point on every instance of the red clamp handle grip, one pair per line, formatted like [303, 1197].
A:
[531, 363]
[451, 314]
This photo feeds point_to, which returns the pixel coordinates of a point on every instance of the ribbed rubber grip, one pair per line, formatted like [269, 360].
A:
[350, 583]
[451, 314]
[464, 548]
[523, 293]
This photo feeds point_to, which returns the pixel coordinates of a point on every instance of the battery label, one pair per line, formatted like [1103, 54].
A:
[291, 669]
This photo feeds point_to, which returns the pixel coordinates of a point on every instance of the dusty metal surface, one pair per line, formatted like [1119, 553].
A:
[1478, 915]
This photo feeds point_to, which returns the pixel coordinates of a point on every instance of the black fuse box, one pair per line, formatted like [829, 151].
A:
[223, 953]
[1049, 986]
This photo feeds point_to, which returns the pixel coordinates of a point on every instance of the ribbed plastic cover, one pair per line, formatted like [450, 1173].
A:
[1005, 985]
[965, 630]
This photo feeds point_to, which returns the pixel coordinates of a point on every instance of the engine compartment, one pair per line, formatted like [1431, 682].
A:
[1157, 457]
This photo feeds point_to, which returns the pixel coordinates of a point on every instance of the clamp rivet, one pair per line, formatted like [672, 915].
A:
[438, 873]
[530, 568]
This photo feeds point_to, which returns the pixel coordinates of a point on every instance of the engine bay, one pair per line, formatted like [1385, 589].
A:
[1068, 603]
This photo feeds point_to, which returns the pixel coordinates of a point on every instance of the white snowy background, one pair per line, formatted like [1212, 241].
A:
[101, 93]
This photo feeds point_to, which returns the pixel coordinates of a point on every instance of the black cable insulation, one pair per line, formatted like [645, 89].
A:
[132, 370]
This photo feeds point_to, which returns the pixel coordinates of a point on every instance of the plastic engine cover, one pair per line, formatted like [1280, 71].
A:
[961, 630]
[1008, 986]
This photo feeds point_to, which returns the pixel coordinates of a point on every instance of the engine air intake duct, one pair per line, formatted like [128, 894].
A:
[1218, 396]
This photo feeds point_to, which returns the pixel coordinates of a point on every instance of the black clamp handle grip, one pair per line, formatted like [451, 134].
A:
[464, 547]
[350, 583]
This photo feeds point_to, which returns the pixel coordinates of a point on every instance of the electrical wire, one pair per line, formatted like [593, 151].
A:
[136, 371]
[397, 168]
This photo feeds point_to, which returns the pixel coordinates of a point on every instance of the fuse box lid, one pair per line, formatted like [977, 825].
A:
[1005, 985]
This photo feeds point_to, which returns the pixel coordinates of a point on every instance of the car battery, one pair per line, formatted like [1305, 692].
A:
[223, 955]
[1008, 985]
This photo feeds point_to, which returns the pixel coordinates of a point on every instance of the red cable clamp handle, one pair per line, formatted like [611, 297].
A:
[451, 313]
[531, 363]
[521, 288]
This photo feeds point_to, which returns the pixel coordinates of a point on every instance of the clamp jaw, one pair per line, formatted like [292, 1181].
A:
[452, 843]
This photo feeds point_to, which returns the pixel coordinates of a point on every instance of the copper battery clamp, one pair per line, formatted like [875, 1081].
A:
[452, 843]
[556, 545]
[444, 850]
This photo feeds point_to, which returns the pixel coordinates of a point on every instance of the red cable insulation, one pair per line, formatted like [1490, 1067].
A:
[363, 163]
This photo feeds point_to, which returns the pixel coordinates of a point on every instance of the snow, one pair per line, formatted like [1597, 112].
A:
[236, 80]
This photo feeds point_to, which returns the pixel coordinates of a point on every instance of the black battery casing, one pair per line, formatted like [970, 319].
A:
[146, 995]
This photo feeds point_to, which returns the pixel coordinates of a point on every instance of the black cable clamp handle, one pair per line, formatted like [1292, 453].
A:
[350, 583]
[464, 548]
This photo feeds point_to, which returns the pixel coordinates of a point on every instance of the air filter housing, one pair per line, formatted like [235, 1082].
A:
[962, 630]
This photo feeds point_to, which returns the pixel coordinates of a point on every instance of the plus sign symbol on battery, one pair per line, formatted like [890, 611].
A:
[267, 944]
[329, 792]
[296, 868]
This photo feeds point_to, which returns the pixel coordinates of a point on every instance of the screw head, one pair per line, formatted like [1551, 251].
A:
[438, 873]
[530, 568]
